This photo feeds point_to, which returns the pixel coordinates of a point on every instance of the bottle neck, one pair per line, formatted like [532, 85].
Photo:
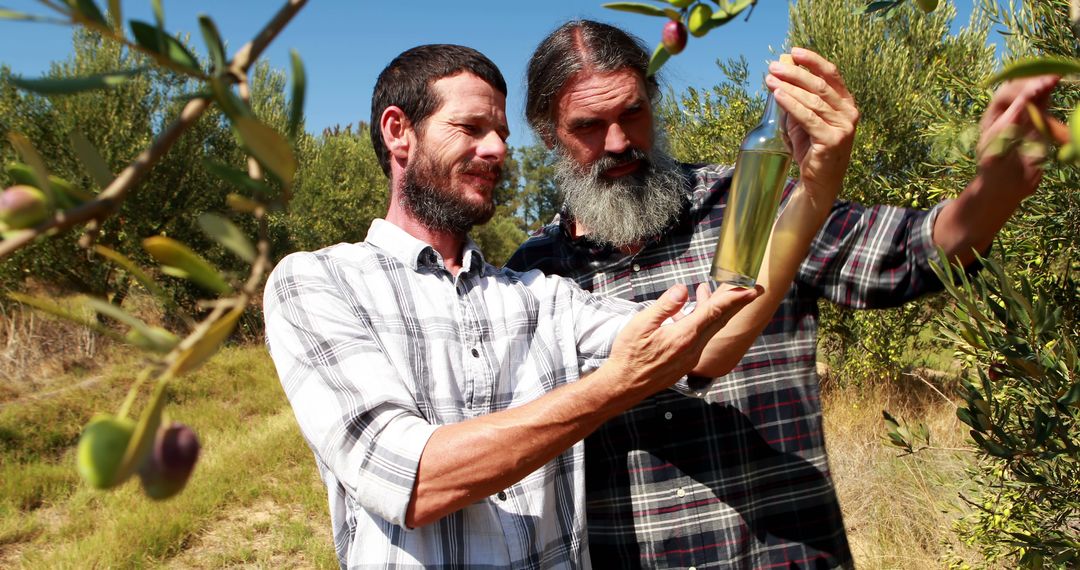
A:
[773, 114]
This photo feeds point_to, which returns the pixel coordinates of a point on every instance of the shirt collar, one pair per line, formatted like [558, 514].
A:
[415, 253]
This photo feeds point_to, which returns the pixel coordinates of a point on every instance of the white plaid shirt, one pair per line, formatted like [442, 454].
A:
[377, 345]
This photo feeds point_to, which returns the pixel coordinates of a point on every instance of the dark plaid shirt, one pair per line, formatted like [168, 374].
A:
[740, 477]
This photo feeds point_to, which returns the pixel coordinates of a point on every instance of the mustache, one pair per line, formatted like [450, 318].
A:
[613, 159]
[482, 168]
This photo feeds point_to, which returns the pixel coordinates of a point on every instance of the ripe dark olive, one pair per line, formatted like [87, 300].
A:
[167, 468]
[674, 37]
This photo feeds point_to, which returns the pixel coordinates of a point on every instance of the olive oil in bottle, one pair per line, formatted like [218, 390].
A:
[756, 189]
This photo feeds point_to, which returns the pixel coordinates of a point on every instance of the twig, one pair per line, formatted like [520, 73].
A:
[932, 387]
[108, 201]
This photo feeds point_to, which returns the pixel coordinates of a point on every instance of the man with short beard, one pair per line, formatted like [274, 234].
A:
[736, 478]
[445, 399]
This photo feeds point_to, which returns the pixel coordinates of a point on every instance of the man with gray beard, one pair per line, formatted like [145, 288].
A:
[738, 477]
[621, 211]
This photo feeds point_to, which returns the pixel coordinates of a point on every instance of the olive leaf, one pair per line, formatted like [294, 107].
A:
[69, 85]
[179, 261]
[209, 344]
[636, 8]
[267, 146]
[227, 234]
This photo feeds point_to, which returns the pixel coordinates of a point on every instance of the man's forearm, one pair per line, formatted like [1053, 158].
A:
[788, 246]
[969, 223]
[465, 462]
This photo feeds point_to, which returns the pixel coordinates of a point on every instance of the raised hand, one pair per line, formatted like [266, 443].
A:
[820, 119]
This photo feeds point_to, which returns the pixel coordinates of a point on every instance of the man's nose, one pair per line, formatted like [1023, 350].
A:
[616, 140]
[492, 147]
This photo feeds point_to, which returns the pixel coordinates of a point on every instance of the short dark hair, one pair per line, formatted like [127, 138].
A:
[406, 83]
[575, 46]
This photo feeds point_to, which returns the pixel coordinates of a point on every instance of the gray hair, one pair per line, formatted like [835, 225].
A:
[575, 46]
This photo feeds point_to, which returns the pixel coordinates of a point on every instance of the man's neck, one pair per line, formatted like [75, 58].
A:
[578, 231]
[450, 246]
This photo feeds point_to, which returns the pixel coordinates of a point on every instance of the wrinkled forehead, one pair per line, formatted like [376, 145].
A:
[588, 93]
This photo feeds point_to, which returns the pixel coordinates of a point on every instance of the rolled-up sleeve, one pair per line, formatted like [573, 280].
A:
[873, 256]
[357, 414]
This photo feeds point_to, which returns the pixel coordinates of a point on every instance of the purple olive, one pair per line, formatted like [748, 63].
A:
[674, 36]
[168, 466]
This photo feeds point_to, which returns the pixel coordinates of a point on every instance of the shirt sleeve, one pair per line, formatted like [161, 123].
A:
[873, 256]
[595, 321]
[353, 409]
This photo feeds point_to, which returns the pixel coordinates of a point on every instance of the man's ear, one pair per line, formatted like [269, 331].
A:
[396, 131]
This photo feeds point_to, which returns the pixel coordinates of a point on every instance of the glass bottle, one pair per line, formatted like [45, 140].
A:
[756, 189]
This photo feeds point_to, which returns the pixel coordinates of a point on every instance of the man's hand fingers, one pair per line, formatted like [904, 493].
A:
[667, 306]
[721, 305]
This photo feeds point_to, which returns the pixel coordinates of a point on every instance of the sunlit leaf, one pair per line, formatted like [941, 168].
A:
[236, 177]
[227, 234]
[876, 6]
[145, 431]
[13, 15]
[230, 104]
[296, 101]
[214, 46]
[130, 266]
[117, 16]
[636, 8]
[173, 254]
[91, 12]
[91, 159]
[31, 157]
[1074, 125]
[51, 307]
[268, 147]
[209, 344]
[118, 314]
[242, 204]
[68, 85]
[659, 57]
[1036, 66]
[148, 38]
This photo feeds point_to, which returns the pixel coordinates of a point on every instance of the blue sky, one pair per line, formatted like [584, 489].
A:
[344, 44]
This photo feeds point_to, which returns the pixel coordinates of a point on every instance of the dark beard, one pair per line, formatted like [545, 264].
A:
[441, 209]
[627, 210]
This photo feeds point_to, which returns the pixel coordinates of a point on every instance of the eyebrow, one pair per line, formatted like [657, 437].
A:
[501, 127]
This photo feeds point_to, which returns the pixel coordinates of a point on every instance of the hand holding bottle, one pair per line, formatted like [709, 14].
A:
[820, 119]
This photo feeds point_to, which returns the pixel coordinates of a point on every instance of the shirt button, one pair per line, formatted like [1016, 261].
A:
[475, 353]
[668, 415]
[680, 493]
[637, 267]
[501, 496]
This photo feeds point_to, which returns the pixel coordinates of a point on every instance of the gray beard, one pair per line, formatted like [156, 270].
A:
[625, 211]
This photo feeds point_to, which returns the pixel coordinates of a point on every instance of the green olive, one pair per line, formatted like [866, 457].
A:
[699, 20]
[23, 206]
[101, 449]
[927, 5]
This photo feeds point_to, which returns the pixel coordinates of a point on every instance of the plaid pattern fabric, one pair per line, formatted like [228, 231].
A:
[739, 478]
[377, 344]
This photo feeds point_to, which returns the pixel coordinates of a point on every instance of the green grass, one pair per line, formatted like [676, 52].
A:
[255, 498]
[253, 461]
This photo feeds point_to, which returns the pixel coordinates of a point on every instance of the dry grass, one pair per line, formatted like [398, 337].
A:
[35, 348]
[899, 510]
